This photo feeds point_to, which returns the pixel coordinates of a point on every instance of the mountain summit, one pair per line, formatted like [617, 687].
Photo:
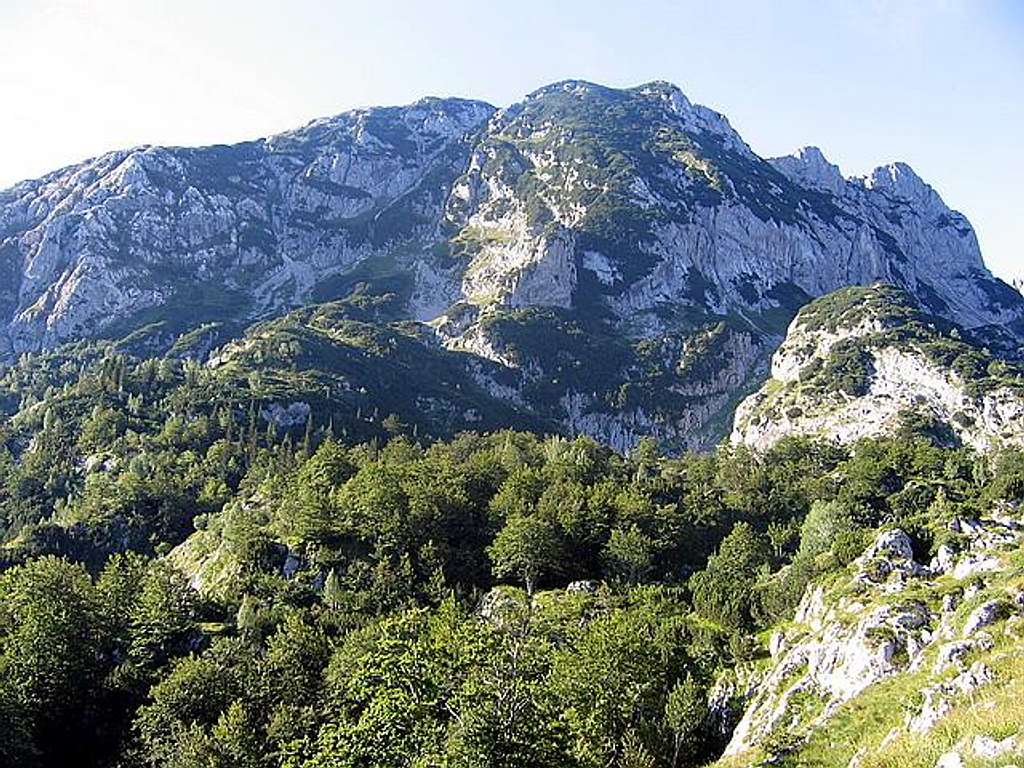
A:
[631, 218]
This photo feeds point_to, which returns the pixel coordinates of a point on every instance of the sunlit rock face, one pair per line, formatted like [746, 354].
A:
[224, 232]
[889, 620]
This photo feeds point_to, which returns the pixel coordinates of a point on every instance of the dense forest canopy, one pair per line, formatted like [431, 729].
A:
[188, 583]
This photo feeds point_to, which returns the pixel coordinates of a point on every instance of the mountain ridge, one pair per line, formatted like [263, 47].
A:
[639, 216]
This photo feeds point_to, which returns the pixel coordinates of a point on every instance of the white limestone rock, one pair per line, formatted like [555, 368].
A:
[103, 240]
[850, 634]
[938, 699]
[984, 615]
[809, 166]
[988, 748]
[899, 378]
[950, 760]
[955, 653]
[834, 663]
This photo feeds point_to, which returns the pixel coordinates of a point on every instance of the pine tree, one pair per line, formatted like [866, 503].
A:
[333, 593]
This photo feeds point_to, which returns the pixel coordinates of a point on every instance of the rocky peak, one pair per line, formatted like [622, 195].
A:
[810, 167]
[695, 117]
[431, 117]
[677, 108]
[899, 180]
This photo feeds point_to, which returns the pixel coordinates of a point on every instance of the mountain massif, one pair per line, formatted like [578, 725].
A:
[568, 435]
[613, 262]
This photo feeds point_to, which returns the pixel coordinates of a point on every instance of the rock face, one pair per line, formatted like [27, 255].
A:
[850, 646]
[230, 231]
[869, 361]
[632, 216]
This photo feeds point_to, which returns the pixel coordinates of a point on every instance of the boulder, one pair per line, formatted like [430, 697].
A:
[955, 653]
[975, 564]
[950, 601]
[988, 748]
[893, 544]
[943, 560]
[892, 553]
[984, 615]
[586, 587]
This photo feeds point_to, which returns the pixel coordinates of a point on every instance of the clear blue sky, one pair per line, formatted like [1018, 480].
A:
[936, 83]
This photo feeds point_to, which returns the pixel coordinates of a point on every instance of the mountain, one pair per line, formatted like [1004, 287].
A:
[227, 232]
[865, 362]
[623, 255]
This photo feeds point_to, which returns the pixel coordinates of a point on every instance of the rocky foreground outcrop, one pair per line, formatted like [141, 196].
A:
[914, 644]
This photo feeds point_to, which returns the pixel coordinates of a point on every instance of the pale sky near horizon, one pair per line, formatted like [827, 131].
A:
[936, 83]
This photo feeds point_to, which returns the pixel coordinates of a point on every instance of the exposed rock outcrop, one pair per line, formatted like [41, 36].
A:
[842, 649]
[867, 362]
[879, 625]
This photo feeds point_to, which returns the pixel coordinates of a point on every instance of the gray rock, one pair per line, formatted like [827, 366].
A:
[938, 698]
[950, 601]
[966, 526]
[955, 653]
[984, 615]
[501, 606]
[891, 553]
[284, 416]
[988, 748]
[292, 564]
[835, 662]
[776, 644]
[893, 544]
[259, 222]
[811, 609]
[974, 564]
[943, 560]
[899, 378]
[588, 587]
